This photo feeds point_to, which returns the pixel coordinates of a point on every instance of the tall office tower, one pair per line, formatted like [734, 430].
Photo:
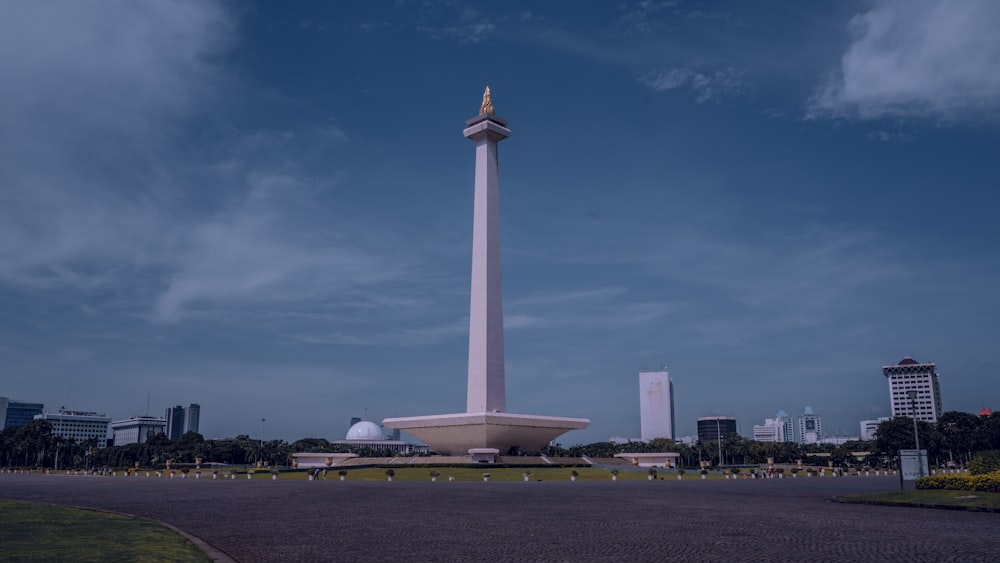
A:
[910, 375]
[714, 428]
[787, 427]
[175, 422]
[656, 405]
[191, 417]
[777, 429]
[810, 427]
[14, 414]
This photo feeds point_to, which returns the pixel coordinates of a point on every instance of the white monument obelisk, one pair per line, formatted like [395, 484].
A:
[485, 429]
[487, 389]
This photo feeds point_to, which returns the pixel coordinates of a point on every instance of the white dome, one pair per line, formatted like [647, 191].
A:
[365, 430]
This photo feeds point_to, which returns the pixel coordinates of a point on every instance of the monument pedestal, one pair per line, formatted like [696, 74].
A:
[456, 434]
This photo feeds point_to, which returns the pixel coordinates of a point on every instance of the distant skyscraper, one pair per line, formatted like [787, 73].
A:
[181, 420]
[175, 422]
[909, 375]
[777, 429]
[14, 414]
[787, 427]
[191, 418]
[656, 405]
[713, 428]
[810, 427]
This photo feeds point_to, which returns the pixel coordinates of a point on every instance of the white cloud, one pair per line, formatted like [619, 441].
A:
[889, 136]
[644, 16]
[925, 58]
[103, 194]
[469, 27]
[704, 85]
[255, 253]
[89, 93]
[667, 79]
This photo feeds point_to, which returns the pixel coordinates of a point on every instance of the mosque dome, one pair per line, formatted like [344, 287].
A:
[365, 430]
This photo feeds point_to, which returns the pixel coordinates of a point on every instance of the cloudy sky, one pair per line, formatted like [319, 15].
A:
[266, 208]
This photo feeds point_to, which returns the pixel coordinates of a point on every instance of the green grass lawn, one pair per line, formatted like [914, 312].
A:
[41, 532]
[970, 499]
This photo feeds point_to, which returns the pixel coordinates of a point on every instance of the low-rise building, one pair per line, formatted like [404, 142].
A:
[868, 427]
[79, 426]
[137, 429]
[715, 428]
[777, 429]
[367, 434]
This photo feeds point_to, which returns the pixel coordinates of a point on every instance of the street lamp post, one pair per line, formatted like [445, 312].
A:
[262, 421]
[912, 394]
[718, 434]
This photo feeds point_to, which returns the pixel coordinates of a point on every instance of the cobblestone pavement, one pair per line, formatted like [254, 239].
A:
[691, 520]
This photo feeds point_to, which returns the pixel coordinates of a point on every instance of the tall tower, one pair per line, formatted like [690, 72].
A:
[486, 389]
[175, 422]
[192, 417]
[908, 375]
[810, 427]
[656, 405]
[486, 429]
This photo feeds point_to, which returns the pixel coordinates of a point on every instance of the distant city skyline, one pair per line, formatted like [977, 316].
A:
[267, 210]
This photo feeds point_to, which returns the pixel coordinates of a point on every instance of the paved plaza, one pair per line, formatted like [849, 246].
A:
[691, 520]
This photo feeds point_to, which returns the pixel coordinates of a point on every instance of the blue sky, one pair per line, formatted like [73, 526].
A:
[266, 208]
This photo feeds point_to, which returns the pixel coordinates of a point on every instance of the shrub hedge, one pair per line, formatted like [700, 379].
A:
[985, 462]
[986, 483]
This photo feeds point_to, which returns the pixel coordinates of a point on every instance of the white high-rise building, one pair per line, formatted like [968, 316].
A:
[868, 427]
[810, 427]
[78, 425]
[911, 375]
[777, 429]
[656, 405]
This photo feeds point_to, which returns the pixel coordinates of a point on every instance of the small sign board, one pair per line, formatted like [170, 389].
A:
[913, 464]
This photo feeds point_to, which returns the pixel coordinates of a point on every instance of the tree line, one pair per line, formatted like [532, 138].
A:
[34, 445]
[955, 438]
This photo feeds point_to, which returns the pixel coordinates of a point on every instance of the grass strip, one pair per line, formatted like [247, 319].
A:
[954, 500]
[42, 532]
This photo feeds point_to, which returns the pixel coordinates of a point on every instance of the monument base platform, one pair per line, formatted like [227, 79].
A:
[456, 434]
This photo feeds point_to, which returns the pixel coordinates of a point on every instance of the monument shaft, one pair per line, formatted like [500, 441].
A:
[486, 384]
[485, 429]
